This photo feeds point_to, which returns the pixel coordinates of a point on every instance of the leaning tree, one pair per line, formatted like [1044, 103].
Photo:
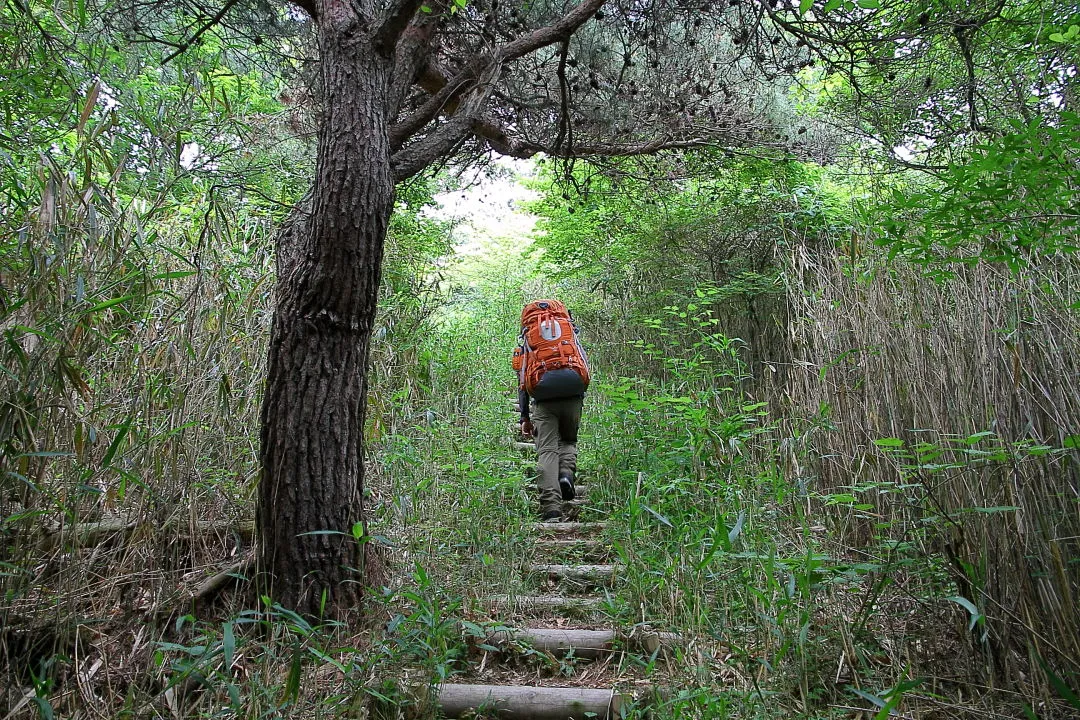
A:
[404, 85]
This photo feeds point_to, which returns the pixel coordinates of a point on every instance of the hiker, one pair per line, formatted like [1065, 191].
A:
[554, 372]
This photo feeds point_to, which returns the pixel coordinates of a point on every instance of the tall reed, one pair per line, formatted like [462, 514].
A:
[949, 408]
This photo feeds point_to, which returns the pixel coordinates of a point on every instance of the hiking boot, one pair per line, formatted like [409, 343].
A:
[552, 516]
[566, 485]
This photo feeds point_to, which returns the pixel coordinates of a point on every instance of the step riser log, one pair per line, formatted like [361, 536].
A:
[592, 574]
[529, 703]
[582, 643]
[589, 644]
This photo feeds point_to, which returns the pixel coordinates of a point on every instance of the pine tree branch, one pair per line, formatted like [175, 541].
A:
[184, 46]
[446, 91]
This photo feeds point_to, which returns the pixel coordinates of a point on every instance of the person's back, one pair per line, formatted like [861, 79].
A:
[553, 371]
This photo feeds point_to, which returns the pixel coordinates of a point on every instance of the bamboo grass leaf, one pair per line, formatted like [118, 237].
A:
[105, 305]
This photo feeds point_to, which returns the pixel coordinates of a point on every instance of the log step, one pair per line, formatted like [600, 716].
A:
[522, 445]
[541, 603]
[529, 703]
[577, 573]
[589, 644]
[569, 527]
[583, 643]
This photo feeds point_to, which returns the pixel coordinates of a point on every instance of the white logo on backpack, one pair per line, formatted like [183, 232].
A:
[550, 329]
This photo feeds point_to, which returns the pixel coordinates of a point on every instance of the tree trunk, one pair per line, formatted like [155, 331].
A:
[310, 489]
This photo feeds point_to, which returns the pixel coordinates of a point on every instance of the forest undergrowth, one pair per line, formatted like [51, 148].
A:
[804, 584]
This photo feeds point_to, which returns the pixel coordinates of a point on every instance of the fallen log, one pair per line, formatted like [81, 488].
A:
[83, 534]
[522, 445]
[529, 703]
[211, 586]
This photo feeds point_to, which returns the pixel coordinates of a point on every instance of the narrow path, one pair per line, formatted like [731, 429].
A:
[552, 658]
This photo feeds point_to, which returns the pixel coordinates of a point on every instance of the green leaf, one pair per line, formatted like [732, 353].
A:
[869, 4]
[292, 682]
[1059, 685]
[735, 531]
[804, 6]
[889, 442]
[91, 101]
[1057, 37]
[657, 515]
[830, 6]
[108, 303]
[973, 611]
[228, 645]
[885, 712]
[114, 446]
[879, 701]
[44, 708]
[42, 334]
[997, 509]
[1071, 442]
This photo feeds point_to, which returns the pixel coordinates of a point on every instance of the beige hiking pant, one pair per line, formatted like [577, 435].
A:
[556, 425]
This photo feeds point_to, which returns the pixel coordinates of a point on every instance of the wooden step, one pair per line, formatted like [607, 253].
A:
[540, 603]
[528, 702]
[571, 527]
[592, 574]
[558, 641]
[589, 644]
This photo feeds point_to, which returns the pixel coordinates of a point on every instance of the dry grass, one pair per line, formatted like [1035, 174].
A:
[883, 352]
[137, 414]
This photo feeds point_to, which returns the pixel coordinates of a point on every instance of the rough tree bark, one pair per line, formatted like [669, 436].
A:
[313, 410]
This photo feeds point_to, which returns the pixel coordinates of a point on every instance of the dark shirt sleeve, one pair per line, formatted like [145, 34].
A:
[523, 403]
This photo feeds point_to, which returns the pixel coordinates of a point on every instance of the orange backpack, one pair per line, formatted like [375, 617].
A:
[549, 360]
